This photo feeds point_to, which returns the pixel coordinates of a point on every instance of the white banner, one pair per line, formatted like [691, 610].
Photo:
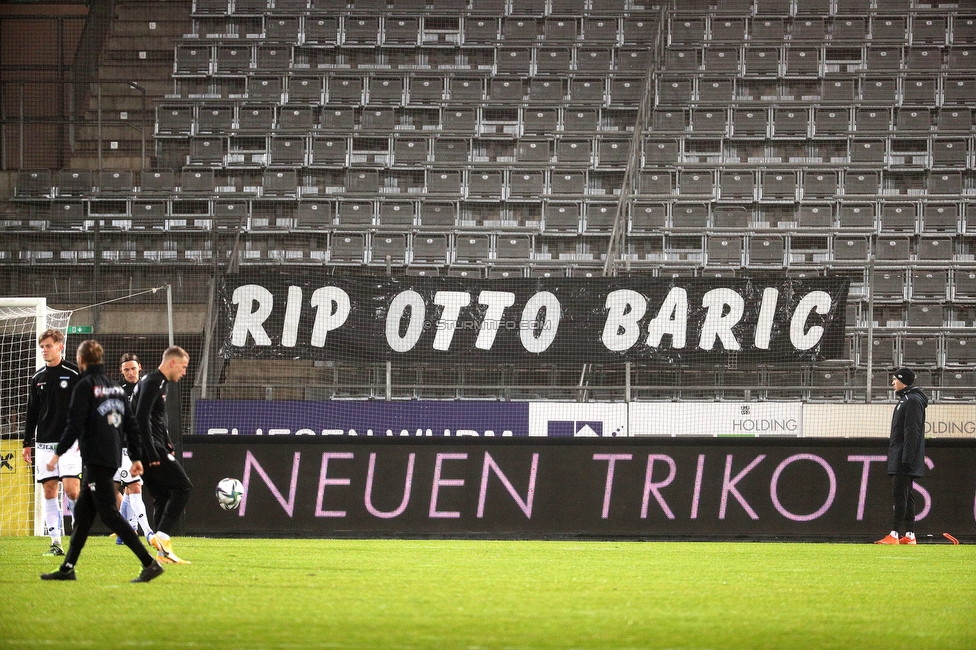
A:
[715, 419]
[575, 420]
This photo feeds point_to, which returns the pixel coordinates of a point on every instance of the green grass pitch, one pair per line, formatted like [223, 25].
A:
[311, 593]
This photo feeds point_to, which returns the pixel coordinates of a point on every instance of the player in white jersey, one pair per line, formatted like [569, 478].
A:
[131, 505]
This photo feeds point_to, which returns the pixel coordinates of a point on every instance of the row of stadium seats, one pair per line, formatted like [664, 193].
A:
[440, 7]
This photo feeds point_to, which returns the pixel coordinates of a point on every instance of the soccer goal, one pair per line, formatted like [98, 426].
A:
[21, 321]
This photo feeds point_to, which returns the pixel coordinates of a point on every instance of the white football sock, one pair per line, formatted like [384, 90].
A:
[894, 534]
[52, 520]
[137, 511]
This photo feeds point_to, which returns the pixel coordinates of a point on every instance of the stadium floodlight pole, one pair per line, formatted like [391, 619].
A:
[870, 365]
[169, 313]
[142, 131]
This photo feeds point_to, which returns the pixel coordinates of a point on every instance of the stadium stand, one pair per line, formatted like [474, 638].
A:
[493, 136]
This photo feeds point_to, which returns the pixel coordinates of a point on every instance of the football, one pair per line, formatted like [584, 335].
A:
[229, 492]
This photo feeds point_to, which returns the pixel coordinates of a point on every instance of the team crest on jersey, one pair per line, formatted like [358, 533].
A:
[64, 383]
[114, 419]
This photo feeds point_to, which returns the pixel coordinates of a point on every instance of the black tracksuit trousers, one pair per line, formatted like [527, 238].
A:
[98, 497]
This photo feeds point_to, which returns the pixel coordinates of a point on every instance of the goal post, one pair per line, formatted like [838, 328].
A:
[21, 321]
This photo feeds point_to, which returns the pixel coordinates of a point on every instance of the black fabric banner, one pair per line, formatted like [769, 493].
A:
[315, 314]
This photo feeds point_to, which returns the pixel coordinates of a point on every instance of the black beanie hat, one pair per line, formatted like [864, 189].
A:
[905, 376]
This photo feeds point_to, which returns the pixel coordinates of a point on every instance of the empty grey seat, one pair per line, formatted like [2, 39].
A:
[33, 183]
[899, 216]
[296, 118]
[346, 90]
[386, 90]
[958, 90]
[444, 182]
[215, 119]
[587, 90]
[954, 119]
[925, 315]
[563, 182]
[857, 215]
[115, 181]
[265, 88]
[347, 247]
[597, 29]
[935, 249]
[689, 215]
[731, 217]
[425, 90]
[197, 181]
[329, 151]
[430, 248]
[401, 30]
[889, 284]
[378, 119]
[438, 215]
[287, 151]
[526, 184]
[485, 183]
[273, 58]
[867, 151]
[913, 119]
[562, 217]
[814, 216]
[762, 61]
[280, 182]
[561, 29]
[549, 90]
[940, 217]
[233, 59]
[657, 183]
[255, 118]
[74, 182]
[174, 120]
[321, 30]
[447, 150]
[230, 214]
[819, 184]
[193, 59]
[893, 248]
[362, 30]
[355, 213]
[728, 29]
[513, 247]
[920, 351]
[397, 213]
[574, 151]
[766, 251]
[704, 120]
[459, 120]
[779, 185]
[648, 217]
[409, 151]
[471, 248]
[721, 60]
[930, 283]
[861, 183]
[879, 89]
[540, 121]
[481, 30]
[725, 250]
[949, 153]
[838, 90]
[313, 215]
[157, 181]
[736, 184]
[920, 90]
[506, 89]
[67, 215]
[850, 249]
[790, 122]
[696, 183]
[362, 181]
[385, 247]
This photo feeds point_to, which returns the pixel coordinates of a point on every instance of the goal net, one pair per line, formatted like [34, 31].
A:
[21, 321]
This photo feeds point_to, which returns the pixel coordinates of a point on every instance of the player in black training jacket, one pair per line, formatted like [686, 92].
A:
[163, 475]
[99, 420]
[47, 409]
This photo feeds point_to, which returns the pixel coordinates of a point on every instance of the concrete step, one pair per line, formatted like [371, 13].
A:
[130, 71]
[143, 43]
[153, 11]
[110, 160]
[147, 28]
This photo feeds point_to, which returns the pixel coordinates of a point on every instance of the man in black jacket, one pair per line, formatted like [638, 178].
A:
[906, 454]
[164, 477]
[99, 419]
[47, 410]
